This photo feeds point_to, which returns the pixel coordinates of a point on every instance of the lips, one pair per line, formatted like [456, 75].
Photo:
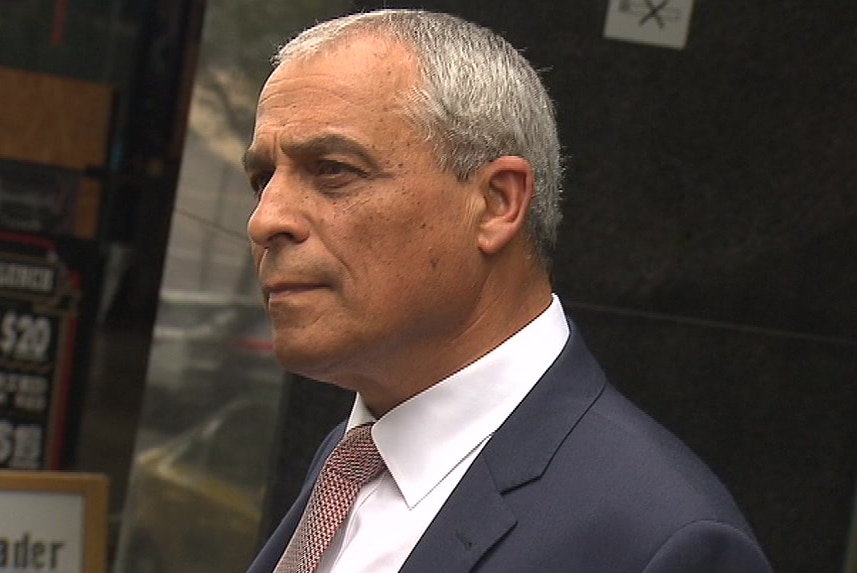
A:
[283, 290]
[279, 279]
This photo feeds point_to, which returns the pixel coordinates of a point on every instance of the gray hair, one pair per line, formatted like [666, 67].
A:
[480, 100]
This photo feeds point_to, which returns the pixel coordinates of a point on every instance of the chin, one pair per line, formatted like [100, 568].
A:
[309, 363]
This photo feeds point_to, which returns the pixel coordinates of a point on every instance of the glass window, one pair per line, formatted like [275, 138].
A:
[237, 445]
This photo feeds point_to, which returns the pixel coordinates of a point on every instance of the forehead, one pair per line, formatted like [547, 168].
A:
[373, 73]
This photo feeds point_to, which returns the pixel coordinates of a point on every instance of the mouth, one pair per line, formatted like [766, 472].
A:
[285, 290]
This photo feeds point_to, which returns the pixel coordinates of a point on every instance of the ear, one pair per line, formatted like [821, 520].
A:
[507, 188]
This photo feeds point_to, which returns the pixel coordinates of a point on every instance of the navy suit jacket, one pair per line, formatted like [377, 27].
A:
[576, 480]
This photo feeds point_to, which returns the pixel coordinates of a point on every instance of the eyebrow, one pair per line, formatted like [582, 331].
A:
[251, 161]
[317, 146]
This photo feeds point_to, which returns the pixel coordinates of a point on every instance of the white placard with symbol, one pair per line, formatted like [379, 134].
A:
[656, 22]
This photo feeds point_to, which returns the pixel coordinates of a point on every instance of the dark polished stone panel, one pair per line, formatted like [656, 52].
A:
[716, 181]
[775, 417]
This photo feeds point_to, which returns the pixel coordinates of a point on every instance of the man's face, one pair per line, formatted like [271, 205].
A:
[366, 251]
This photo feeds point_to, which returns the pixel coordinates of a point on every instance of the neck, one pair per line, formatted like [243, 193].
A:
[505, 305]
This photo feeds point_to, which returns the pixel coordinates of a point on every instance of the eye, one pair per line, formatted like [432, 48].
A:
[332, 174]
[258, 182]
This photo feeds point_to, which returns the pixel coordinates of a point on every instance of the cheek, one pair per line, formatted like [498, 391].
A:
[383, 253]
[400, 236]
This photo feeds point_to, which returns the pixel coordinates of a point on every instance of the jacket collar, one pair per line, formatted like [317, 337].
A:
[476, 516]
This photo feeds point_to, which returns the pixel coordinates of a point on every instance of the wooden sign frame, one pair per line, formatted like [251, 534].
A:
[93, 491]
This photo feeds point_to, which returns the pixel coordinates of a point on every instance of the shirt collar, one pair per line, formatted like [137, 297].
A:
[426, 437]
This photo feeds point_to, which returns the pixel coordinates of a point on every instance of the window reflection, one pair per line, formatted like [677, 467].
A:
[207, 349]
[195, 501]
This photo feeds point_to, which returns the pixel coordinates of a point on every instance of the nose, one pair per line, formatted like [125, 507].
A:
[278, 215]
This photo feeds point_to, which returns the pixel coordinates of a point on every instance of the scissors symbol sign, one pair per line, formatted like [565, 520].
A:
[648, 10]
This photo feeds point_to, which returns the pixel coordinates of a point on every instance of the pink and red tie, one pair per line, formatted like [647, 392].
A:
[351, 465]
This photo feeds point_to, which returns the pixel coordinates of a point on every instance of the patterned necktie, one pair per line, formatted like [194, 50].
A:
[353, 463]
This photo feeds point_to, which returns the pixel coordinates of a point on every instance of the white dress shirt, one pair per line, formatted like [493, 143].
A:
[429, 441]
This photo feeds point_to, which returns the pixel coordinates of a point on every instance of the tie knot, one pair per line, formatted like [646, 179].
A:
[356, 458]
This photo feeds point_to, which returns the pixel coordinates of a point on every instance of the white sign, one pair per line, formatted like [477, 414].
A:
[52, 522]
[41, 532]
[656, 22]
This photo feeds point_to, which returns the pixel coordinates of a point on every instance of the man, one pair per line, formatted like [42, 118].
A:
[407, 171]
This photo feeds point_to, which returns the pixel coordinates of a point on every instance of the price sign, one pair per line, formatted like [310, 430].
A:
[38, 318]
[25, 337]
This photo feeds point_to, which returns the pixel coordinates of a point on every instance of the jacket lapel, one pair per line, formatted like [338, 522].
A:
[476, 515]
[465, 528]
